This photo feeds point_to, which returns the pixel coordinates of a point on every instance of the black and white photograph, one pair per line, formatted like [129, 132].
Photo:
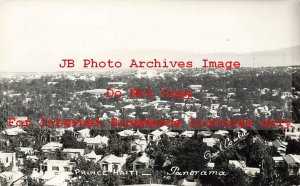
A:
[149, 93]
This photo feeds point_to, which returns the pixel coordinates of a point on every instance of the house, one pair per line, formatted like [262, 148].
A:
[212, 114]
[293, 163]
[26, 150]
[251, 171]
[278, 160]
[112, 163]
[126, 133]
[280, 146]
[138, 145]
[237, 163]
[221, 132]
[210, 141]
[12, 178]
[84, 133]
[51, 147]
[185, 182]
[23, 152]
[196, 88]
[210, 165]
[155, 135]
[92, 156]
[149, 74]
[285, 95]
[97, 142]
[117, 84]
[141, 162]
[214, 106]
[13, 131]
[291, 131]
[187, 115]
[172, 134]
[58, 172]
[239, 132]
[187, 134]
[130, 106]
[73, 153]
[264, 91]
[57, 134]
[7, 158]
[138, 134]
[205, 133]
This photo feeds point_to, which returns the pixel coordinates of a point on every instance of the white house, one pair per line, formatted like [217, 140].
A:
[98, 141]
[13, 175]
[51, 147]
[58, 172]
[73, 153]
[7, 158]
[210, 141]
[92, 156]
[187, 134]
[293, 163]
[138, 144]
[13, 131]
[141, 162]
[292, 131]
[84, 133]
[251, 171]
[112, 163]
[126, 133]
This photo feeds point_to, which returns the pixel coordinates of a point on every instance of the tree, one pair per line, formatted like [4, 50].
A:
[86, 179]
[189, 156]
[234, 177]
[69, 141]
[91, 174]
[293, 147]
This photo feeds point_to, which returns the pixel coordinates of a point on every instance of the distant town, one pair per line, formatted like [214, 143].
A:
[86, 154]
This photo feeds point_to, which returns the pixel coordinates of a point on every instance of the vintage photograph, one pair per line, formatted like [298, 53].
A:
[149, 93]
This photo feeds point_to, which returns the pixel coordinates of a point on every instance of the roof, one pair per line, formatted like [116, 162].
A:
[13, 131]
[292, 159]
[184, 182]
[93, 155]
[141, 141]
[142, 159]
[210, 141]
[251, 171]
[204, 133]
[126, 133]
[113, 159]
[210, 164]
[58, 179]
[84, 130]
[26, 149]
[187, 133]
[156, 132]
[51, 145]
[14, 174]
[279, 158]
[278, 143]
[238, 163]
[221, 132]
[130, 106]
[138, 133]
[81, 151]
[97, 140]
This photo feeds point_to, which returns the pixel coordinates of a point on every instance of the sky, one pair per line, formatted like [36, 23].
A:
[36, 35]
